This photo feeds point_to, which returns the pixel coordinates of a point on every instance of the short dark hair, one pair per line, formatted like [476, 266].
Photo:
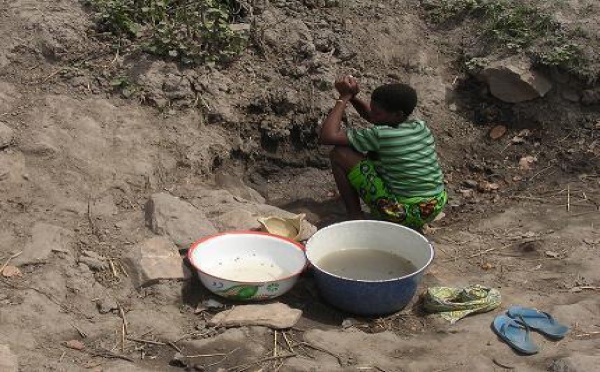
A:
[396, 97]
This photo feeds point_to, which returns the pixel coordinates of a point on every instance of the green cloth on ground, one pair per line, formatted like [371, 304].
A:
[454, 304]
[407, 160]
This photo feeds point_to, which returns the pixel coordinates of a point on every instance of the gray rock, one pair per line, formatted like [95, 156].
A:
[215, 83]
[283, 101]
[470, 184]
[44, 240]
[348, 322]
[576, 363]
[181, 221]
[106, 305]
[570, 95]
[222, 111]
[275, 315]
[6, 135]
[8, 360]
[238, 219]
[288, 34]
[153, 260]
[179, 360]
[176, 87]
[209, 304]
[40, 148]
[590, 97]
[236, 186]
[431, 88]
[514, 80]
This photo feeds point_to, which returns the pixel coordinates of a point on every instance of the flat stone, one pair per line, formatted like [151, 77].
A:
[472, 184]
[6, 135]
[222, 111]
[236, 186]
[106, 305]
[576, 363]
[153, 260]
[8, 360]
[284, 34]
[239, 219]
[570, 95]
[276, 316]
[590, 97]
[75, 345]
[45, 239]
[178, 219]
[515, 80]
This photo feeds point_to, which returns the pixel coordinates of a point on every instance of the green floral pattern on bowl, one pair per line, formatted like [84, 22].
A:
[273, 287]
[239, 292]
[248, 292]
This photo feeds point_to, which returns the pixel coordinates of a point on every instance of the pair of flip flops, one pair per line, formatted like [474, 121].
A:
[514, 328]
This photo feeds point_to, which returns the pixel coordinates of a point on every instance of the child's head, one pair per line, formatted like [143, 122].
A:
[391, 104]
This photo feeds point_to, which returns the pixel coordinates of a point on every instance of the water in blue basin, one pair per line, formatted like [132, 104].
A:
[366, 264]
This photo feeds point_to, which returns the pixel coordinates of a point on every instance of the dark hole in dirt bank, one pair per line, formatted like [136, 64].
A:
[474, 103]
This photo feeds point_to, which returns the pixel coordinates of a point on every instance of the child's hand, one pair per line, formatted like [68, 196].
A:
[354, 85]
[347, 86]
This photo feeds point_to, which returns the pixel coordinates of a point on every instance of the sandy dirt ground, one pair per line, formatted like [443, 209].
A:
[79, 161]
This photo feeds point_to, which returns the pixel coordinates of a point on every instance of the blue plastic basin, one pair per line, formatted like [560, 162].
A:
[369, 297]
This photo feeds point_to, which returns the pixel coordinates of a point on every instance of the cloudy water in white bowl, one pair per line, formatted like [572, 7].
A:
[247, 270]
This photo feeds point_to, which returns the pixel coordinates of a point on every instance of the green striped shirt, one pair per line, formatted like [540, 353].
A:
[408, 163]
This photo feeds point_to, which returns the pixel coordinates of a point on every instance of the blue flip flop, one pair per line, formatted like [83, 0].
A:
[538, 320]
[514, 334]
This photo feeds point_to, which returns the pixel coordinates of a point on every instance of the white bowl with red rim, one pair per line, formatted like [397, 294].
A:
[247, 265]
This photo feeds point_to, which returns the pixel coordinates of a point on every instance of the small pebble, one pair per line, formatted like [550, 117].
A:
[75, 345]
[178, 360]
[348, 322]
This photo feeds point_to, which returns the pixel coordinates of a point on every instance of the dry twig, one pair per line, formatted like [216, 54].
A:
[223, 359]
[146, 341]
[205, 355]
[124, 330]
[317, 348]
[287, 341]
[175, 347]
[245, 367]
[81, 333]
[53, 74]
[568, 198]
[112, 268]
[122, 268]
[109, 355]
